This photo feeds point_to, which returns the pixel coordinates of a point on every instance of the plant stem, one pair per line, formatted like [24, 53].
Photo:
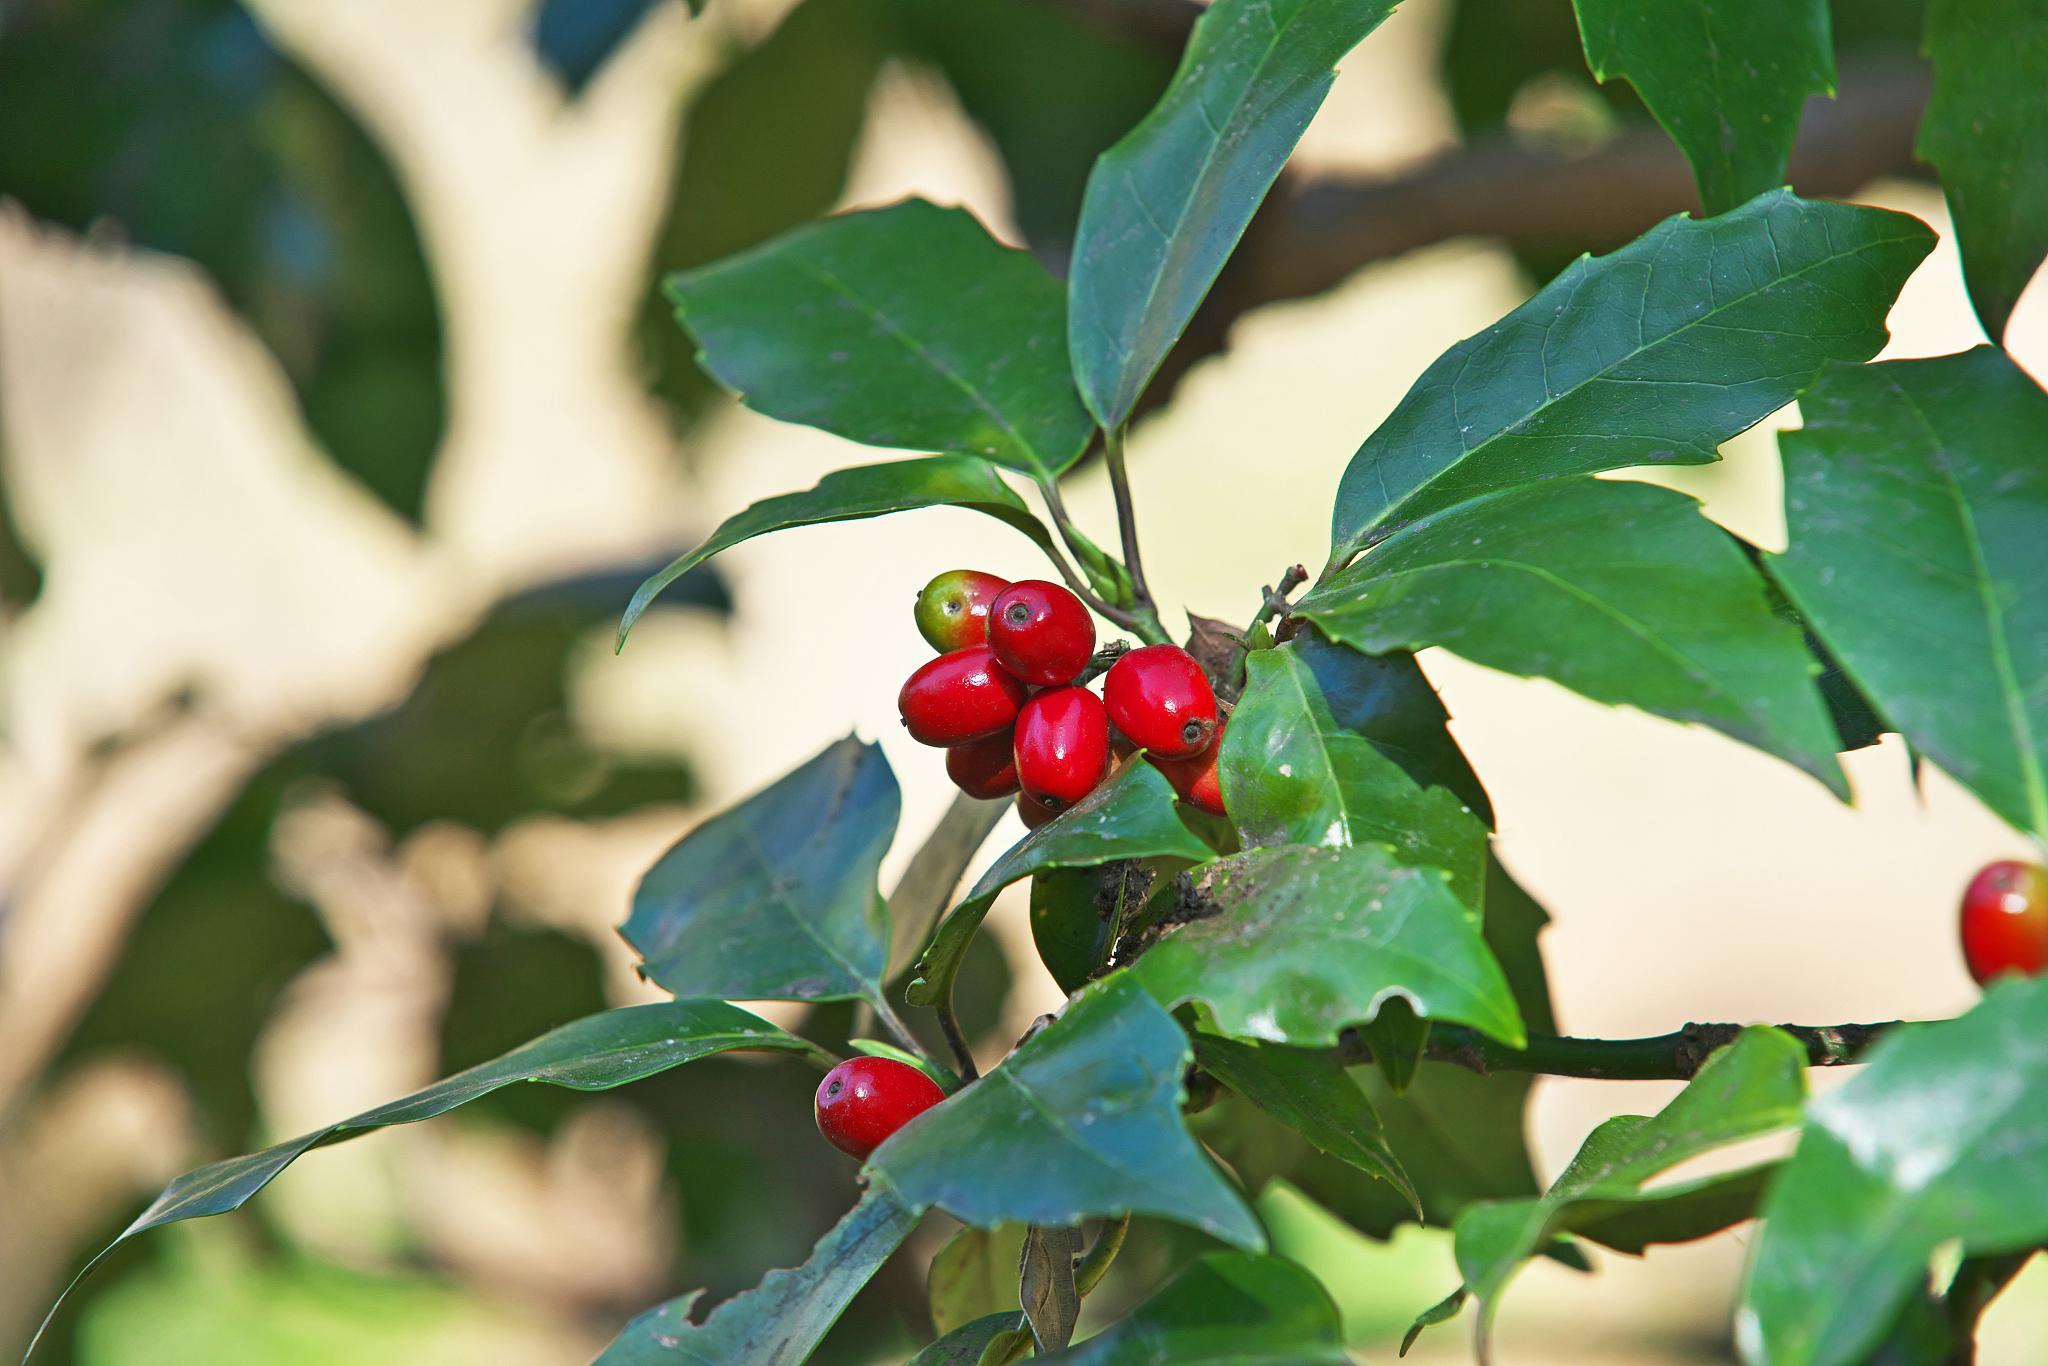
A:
[1665, 1057]
[956, 1039]
[1095, 1265]
[894, 1024]
[1049, 490]
[1126, 515]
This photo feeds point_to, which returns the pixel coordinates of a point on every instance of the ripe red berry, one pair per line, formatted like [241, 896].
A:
[2005, 920]
[959, 696]
[1195, 778]
[1162, 700]
[984, 768]
[1040, 632]
[1062, 746]
[864, 1100]
[952, 611]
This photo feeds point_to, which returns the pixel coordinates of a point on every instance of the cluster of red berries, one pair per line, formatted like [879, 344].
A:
[2005, 920]
[1007, 701]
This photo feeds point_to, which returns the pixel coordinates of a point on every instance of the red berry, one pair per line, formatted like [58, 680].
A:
[952, 611]
[984, 768]
[959, 696]
[1195, 778]
[1040, 632]
[2005, 920]
[864, 1100]
[1062, 746]
[1161, 698]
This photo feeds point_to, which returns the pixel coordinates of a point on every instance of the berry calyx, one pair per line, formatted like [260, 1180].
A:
[2005, 920]
[864, 1100]
[960, 696]
[1041, 632]
[1161, 699]
[984, 768]
[1062, 746]
[952, 610]
[1195, 779]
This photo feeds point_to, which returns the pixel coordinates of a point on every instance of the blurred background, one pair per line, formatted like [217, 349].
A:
[338, 417]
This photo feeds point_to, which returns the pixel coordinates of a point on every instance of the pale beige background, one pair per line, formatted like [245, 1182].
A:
[192, 536]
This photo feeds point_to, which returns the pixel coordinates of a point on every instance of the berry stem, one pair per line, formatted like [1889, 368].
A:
[956, 1039]
[1057, 506]
[894, 1024]
[1127, 518]
[1665, 1057]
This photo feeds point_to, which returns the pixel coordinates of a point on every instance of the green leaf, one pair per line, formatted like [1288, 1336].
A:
[1726, 78]
[1165, 205]
[1052, 1302]
[1131, 816]
[1460, 1134]
[1983, 131]
[907, 326]
[1917, 506]
[1653, 355]
[1309, 1091]
[1292, 945]
[973, 1275]
[965, 481]
[1309, 758]
[782, 1319]
[776, 899]
[1066, 926]
[965, 1344]
[1443, 1311]
[596, 1053]
[1227, 1309]
[1083, 1120]
[1618, 590]
[1936, 1139]
[1396, 1038]
[1752, 1087]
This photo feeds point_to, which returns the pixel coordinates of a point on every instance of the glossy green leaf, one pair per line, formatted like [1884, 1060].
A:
[973, 1275]
[965, 1344]
[1726, 78]
[1309, 758]
[1083, 1120]
[1459, 1133]
[596, 1053]
[1292, 945]
[780, 1321]
[776, 899]
[1752, 1087]
[1067, 927]
[1227, 1309]
[1309, 1091]
[1396, 1038]
[1653, 355]
[1131, 816]
[1165, 206]
[1618, 590]
[1984, 129]
[907, 326]
[1917, 507]
[1938, 1138]
[964, 481]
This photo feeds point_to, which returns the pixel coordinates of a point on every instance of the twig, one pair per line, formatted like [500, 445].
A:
[1676, 1056]
[956, 1039]
[1054, 504]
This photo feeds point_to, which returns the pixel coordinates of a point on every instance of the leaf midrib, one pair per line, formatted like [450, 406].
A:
[2018, 722]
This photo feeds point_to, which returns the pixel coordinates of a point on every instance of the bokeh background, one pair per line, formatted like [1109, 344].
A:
[338, 417]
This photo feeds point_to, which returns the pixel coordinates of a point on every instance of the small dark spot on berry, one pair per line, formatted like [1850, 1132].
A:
[834, 1089]
[1192, 732]
[1017, 614]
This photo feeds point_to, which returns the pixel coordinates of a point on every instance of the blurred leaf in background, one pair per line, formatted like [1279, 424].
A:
[176, 126]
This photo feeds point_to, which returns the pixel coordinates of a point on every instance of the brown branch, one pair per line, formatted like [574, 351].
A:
[1676, 1056]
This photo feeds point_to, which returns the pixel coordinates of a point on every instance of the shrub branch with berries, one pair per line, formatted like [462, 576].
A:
[1258, 862]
